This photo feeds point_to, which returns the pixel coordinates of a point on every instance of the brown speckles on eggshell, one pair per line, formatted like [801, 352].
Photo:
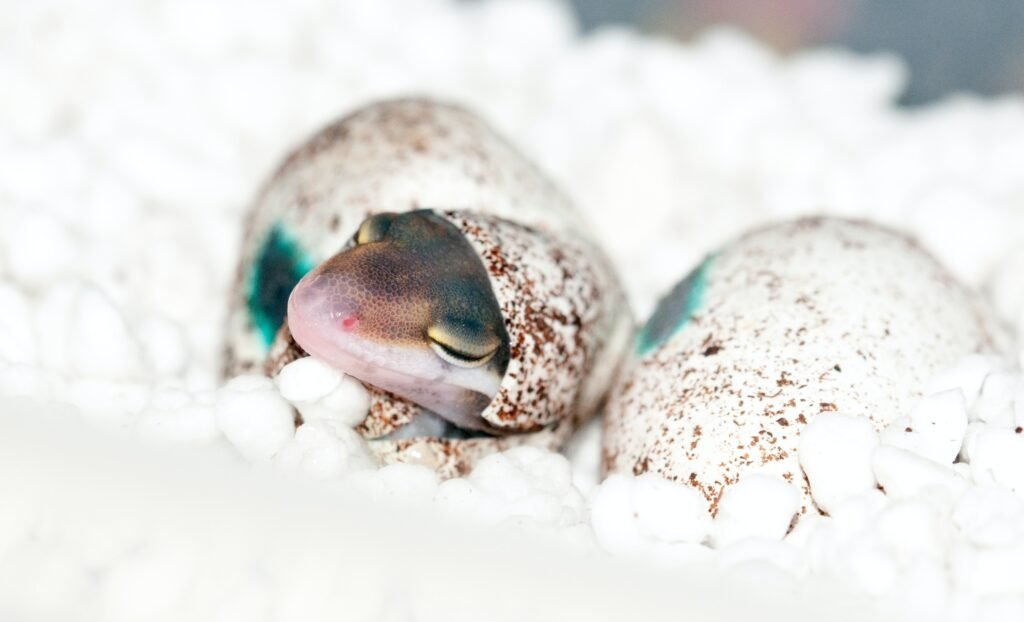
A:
[562, 307]
[817, 315]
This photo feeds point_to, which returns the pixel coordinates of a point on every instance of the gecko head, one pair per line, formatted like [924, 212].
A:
[408, 307]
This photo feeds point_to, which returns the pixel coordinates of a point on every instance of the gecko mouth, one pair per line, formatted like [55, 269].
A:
[426, 424]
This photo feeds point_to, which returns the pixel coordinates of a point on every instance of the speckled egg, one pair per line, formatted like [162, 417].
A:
[792, 320]
[564, 318]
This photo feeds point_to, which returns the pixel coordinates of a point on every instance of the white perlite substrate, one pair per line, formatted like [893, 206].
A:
[134, 136]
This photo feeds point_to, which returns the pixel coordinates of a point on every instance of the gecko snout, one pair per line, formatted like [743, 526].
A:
[319, 306]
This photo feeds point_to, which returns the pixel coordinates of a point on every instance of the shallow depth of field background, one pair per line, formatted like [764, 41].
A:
[948, 45]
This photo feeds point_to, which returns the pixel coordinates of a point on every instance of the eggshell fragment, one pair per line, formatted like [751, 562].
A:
[791, 321]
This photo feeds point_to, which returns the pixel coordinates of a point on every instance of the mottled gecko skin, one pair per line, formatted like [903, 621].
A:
[408, 307]
[473, 267]
[810, 316]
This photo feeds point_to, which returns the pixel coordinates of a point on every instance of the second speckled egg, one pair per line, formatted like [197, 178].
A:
[811, 316]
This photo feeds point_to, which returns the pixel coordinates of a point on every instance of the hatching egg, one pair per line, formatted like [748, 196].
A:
[790, 321]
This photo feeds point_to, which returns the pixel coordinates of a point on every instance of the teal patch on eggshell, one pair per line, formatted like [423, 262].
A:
[674, 310]
[279, 265]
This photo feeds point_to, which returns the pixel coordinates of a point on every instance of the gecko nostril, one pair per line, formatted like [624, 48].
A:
[349, 322]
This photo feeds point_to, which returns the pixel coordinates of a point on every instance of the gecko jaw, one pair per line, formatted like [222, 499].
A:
[325, 325]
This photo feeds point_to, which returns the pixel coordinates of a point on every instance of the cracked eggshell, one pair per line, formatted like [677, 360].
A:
[792, 320]
[569, 324]
[565, 309]
[390, 156]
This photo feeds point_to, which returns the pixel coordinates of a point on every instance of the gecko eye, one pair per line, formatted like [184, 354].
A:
[374, 228]
[463, 343]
